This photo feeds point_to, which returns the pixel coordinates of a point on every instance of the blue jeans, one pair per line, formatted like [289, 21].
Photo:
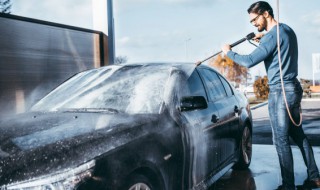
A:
[282, 128]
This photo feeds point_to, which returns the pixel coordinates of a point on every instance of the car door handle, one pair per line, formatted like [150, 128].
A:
[214, 118]
[236, 109]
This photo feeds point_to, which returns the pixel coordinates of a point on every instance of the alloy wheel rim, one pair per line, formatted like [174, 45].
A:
[139, 186]
[247, 145]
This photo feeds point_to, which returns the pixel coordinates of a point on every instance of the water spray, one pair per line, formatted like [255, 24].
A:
[248, 37]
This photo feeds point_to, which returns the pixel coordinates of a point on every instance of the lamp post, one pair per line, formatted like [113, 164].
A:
[111, 37]
[315, 65]
[103, 21]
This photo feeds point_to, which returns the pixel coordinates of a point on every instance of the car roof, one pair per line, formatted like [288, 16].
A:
[183, 64]
[179, 65]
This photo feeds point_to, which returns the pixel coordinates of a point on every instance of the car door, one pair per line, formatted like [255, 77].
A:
[203, 147]
[226, 117]
[230, 108]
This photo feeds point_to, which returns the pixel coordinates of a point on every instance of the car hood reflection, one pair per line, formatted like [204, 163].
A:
[60, 140]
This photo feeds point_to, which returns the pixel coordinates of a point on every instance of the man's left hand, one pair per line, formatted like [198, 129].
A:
[225, 48]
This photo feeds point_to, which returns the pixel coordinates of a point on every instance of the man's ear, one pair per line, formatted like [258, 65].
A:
[266, 14]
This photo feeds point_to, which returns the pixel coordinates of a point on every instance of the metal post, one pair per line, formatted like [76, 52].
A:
[111, 44]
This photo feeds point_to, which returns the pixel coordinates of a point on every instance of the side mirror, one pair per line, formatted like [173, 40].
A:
[193, 103]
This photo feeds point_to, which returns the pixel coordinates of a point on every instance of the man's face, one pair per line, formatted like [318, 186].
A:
[259, 21]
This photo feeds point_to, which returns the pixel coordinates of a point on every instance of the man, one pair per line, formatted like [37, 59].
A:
[261, 16]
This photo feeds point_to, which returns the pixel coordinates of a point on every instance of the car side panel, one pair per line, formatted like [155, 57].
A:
[160, 151]
[204, 142]
[230, 121]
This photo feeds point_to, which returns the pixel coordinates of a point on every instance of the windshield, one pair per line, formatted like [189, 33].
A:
[124, 89]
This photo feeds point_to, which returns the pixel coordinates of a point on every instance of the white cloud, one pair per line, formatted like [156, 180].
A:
[123, 41]
[313, 21]
[316, 19]
[123, 5]
[312, 18]
[183, 1]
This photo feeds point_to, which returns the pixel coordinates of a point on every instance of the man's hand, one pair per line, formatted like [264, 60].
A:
[258, 37]
[198, 63]
[225, 48]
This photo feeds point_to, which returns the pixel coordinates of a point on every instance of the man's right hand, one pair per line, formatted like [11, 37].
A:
[198, 63]
[225, 48]
[258, 37]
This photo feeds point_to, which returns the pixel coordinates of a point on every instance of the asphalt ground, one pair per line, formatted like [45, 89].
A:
[264, 172]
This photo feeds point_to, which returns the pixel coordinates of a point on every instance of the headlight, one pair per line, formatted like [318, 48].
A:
[60, 181]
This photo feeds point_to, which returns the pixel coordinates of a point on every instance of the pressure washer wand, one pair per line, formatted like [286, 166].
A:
[248, 37]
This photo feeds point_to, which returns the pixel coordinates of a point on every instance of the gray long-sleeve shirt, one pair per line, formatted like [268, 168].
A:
[267, 52]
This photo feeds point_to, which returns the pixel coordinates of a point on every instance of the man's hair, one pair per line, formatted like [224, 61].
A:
[260, 7]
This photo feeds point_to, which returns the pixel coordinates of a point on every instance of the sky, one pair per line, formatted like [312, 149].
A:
[184, 30]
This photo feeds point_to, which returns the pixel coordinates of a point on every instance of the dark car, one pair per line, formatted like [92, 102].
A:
[133, 126]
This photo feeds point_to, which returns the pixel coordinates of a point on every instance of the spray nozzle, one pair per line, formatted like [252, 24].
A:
[250, 36]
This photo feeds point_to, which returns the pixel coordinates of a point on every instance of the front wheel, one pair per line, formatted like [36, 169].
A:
[140, 182]
[245, 155]
[140, 186]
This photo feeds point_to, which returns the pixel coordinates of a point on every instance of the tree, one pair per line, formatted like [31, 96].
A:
[306, 84]
[5, 6]
[230, 69]
[120, 59]
[261, 87]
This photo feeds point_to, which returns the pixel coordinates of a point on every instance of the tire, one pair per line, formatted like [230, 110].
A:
[140, 182]
[245, 153]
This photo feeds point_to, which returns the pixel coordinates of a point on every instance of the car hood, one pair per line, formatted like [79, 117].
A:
[34, 144]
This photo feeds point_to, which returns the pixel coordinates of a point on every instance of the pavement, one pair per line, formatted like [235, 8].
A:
[264, 172]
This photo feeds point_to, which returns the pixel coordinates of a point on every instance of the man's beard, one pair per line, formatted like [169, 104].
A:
[262, 26]
[260, 29]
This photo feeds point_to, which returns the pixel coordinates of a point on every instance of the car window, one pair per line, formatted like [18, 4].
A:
[196, 86]
[226, 86]
[214, 86]
[125, 89]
